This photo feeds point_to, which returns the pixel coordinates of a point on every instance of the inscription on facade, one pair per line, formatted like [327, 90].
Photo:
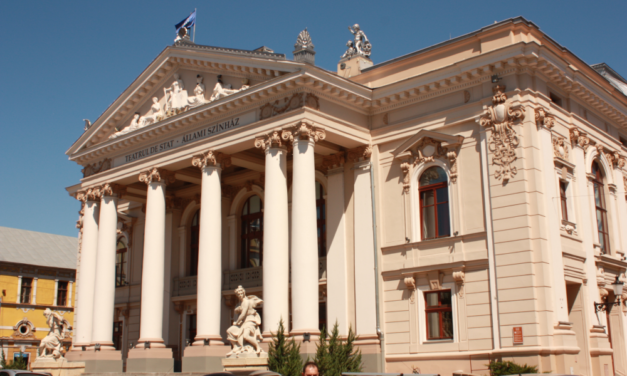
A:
[185, 139]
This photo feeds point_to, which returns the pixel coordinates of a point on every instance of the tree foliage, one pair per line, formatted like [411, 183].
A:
[509, 368]
[284, 356]
[20, 363]
[334, 356]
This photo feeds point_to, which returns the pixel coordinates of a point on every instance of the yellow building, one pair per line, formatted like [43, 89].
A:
[37, 271]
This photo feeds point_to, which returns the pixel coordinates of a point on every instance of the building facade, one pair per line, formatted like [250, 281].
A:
[460, 204]
[37, 272]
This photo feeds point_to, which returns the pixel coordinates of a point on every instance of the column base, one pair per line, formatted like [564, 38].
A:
[150, 360]
[204, 358]
[97, 361]
[60, 367]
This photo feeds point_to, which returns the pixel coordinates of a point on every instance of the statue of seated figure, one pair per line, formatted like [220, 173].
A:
[221, 90]
[50, 346]
[245, 334]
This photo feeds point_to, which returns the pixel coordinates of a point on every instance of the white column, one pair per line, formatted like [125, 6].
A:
[365, 304]
[85, 290]
[19, 289]
[69, 294]
[56, 292]
[337, 281]
[275, 236]
[304, 250]
[153, 267]
[34, 291]
[209, 298]
[104, 290]
[552, 210]
[586, 230]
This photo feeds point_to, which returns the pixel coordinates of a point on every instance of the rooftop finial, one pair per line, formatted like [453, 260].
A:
[304, 48]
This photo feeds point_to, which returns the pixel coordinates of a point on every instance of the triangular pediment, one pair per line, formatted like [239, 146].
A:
[181, 78]
[408, 148]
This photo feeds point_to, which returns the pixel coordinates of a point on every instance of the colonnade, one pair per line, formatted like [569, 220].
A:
[97, 268]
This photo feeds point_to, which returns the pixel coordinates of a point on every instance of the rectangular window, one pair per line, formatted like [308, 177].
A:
[117, 335]
[439, 314]
[555, 99]
[601, 212]
[27, 286]
[563, 200]
[62, 293]
[322, 316]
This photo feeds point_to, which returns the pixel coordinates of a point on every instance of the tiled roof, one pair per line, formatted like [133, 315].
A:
[38, 248]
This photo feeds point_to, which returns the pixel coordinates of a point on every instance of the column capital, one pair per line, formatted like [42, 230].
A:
[88, 194]
[544, 119]
[360, 153]
[111, 189]
[579, 138]
[155, 175]
[211, 159]
[617, 160]
[270, 140]
[303, 130]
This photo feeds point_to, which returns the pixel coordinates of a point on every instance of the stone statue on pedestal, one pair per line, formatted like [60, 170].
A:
[361, 46]
[245, 334]
[50, 346]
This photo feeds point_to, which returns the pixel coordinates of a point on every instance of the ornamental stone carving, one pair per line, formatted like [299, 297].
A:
[359, 153]
[302, 130]
[544, 118]
[427, 150]
[410, 283]
[460, 278]
[304, 48]
[245, 335]
[579, 138]
[270, 140]
[211, 158]
[360, 46]
[156, 174]
[614, 157]
[503, 141]
[406, 168]
[94, 168]
[560, 147]
[296, 101]
[111, 189]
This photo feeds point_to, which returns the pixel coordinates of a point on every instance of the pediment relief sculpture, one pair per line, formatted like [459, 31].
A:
[424, 147]
[296, 101]
[94, 168]
[503, 141]
[176, 100]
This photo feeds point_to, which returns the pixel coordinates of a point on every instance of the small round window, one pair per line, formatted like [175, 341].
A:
[23, 329]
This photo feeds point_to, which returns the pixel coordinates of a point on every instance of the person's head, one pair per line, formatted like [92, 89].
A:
[310, 369]
[240, 292]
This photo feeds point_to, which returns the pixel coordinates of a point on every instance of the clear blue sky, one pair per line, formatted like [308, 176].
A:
[66, 61]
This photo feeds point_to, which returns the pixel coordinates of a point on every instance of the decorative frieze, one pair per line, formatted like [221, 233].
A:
[359, 153]
[211, 158]
[579, 138]
[296, 101]
[303, 129]
[156, 174]
[270, 140]
[503, 141]
[94, 168]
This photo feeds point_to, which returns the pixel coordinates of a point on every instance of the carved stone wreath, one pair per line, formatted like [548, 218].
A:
[296, 101]
[94, 168]
[503, 141]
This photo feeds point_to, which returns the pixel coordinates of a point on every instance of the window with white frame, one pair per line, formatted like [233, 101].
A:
[434, 204]
[439, 314]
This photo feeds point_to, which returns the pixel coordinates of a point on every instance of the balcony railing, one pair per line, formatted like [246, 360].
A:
[249, 277]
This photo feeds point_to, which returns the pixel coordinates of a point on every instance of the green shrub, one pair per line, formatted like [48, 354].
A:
[509, 368]
[284, 356]
[334, 356]
[20, 363]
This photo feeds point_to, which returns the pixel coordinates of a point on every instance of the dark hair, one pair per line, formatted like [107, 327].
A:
[309, 364]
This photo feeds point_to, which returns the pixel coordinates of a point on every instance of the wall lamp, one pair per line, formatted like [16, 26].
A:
[617, 286]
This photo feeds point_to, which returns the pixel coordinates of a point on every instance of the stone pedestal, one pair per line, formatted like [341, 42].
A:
[142, 360]
[204, 358]
[60, 367]
[97, 361]
[246, 362]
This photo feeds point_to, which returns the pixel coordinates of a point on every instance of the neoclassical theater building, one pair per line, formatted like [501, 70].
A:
[460, 204]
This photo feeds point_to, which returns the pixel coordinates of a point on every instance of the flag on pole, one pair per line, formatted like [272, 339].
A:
[187, 23]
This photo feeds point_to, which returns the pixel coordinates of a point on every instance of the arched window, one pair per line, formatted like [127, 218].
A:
[120, 263]
[601, 211]
[252, 233]
[193, 246]
[321, 213]
[434, 208]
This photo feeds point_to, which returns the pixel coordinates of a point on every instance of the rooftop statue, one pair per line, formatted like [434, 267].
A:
[199, 93]
[222, 90]
[361, 46]
[245, 335]
[135, 124]
[175, 97]
[50, 346]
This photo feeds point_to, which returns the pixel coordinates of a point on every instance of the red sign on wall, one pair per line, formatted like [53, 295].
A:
[518, 335]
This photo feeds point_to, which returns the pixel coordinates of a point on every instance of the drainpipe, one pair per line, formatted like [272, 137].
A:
[376, 266]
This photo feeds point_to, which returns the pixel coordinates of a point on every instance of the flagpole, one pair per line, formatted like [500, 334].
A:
[194, 38]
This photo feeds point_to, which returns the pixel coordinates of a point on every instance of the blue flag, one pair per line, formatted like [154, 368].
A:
[187, 23]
